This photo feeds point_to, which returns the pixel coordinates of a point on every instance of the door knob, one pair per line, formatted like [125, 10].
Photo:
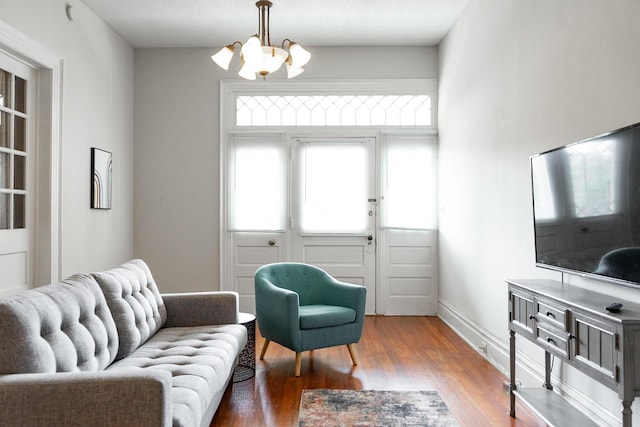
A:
[369, 237]
[272, 242]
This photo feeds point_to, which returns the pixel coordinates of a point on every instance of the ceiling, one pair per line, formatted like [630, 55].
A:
[211, 23]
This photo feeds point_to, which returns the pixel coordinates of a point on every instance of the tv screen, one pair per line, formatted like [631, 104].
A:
[586, 206]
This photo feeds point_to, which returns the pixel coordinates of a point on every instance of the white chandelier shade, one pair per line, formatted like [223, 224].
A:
[259, 56]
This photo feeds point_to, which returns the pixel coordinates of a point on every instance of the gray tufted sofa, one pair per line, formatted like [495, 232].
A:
[107, 349]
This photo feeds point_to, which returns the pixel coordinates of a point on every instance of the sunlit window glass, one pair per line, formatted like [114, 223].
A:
[334, 188]
[333, 110]
[258, 190]
[410, 193]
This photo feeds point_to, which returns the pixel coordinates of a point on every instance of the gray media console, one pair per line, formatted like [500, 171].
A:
[572, 324]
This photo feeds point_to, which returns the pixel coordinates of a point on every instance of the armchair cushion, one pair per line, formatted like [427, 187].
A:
[322, 316]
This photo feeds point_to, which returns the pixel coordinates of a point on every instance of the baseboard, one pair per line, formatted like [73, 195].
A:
[529, 371]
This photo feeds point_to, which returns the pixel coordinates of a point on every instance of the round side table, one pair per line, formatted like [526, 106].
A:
[247, 361]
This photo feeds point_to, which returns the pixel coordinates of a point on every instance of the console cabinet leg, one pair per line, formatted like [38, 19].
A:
[512, 372]
[626, 413]
[547, 371]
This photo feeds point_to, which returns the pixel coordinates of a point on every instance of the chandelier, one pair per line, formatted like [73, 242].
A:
[258, 56]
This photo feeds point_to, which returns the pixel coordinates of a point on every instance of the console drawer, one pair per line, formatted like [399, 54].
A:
[554, 340]
[555, 314]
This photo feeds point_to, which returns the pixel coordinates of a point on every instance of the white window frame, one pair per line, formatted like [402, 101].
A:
[231, 89]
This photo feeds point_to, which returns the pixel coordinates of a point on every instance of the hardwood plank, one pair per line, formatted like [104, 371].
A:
[396, 353]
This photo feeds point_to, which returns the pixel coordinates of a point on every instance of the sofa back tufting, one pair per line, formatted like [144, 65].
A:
[63, 327]
[135, 303]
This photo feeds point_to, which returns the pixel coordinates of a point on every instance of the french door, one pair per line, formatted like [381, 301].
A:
[362, 208]
[17, 175]
[333, 222]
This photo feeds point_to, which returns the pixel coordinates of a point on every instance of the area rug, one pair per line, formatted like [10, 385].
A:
[368, 408]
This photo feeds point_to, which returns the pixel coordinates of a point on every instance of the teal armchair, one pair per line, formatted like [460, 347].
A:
[303, 308]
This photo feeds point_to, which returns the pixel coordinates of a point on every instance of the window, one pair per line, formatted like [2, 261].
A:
[409, 184]
[333, 110]
[257, 184]
[334, 186]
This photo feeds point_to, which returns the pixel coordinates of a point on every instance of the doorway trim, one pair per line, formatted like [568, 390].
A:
[48, 211]
[230, 90]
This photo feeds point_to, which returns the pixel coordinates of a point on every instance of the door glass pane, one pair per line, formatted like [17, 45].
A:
[19, 134]
[5, 86]
[257, 196]
[19, 178]
[4, 170]
[21, 95]
[4, 129]
[334, 188]
[4, 211]
[410, 193]
[19, 211]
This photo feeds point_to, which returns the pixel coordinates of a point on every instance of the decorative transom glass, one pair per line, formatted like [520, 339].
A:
[333, 110]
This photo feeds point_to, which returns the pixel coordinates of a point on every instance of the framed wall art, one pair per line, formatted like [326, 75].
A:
[101, 179]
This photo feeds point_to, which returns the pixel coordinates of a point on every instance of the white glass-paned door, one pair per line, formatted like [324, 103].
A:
[334, 187]
[333, 220]
[17, 175]
[257, 193]
[407, 239]
[410, 184]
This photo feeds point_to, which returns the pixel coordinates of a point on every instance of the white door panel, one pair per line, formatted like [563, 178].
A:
[408, 281]
[252, 250]
[350, 259]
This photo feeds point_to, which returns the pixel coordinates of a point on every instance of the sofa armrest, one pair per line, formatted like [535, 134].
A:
[104, 398]
[201, 308]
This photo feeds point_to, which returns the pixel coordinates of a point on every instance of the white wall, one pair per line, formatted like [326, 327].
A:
[517, 78]
[177, 132]
[97, 111]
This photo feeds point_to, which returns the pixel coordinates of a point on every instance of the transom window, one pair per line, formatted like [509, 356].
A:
[333, 110]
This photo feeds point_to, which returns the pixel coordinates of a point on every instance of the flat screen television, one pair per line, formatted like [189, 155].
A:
[586, 207]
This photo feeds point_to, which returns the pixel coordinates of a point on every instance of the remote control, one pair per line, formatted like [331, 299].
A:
[614, 307]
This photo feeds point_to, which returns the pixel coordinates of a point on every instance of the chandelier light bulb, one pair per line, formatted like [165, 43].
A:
[299, 56]
[223, 57]
[292, 70]
[247, 71]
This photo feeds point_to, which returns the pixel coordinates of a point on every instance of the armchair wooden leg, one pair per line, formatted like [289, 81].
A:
[298, 362]
[353, 352]
[264, 348]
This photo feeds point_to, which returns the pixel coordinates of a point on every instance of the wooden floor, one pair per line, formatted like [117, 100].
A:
[396, 353]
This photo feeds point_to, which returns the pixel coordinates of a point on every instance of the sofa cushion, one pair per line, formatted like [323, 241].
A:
[63, 327]
[135, 303]
[200, 360]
